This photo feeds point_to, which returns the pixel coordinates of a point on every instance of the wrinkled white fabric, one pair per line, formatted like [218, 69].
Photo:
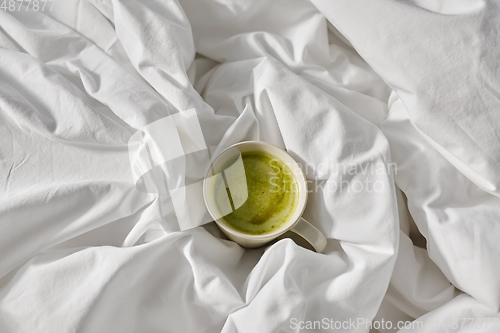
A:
[441, 59]
[78, 81]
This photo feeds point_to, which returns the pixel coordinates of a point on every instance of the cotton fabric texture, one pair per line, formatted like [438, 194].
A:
[411, 83]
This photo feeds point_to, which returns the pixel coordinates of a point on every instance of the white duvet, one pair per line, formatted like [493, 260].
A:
[412, 86]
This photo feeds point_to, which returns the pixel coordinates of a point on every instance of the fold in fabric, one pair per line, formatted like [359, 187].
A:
[405, 188]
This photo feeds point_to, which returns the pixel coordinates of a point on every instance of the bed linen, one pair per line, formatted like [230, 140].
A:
[410, 87]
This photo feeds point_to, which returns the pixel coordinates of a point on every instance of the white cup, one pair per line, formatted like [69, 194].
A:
[295, 223]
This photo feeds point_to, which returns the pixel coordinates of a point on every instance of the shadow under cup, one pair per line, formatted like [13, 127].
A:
[225, 189]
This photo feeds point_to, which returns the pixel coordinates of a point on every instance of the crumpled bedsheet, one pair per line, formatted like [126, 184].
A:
[409, 86]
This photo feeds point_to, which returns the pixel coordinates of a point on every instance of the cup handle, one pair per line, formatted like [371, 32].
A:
[309, 232]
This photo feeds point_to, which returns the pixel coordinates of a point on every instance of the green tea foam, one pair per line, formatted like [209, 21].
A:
[272, 195]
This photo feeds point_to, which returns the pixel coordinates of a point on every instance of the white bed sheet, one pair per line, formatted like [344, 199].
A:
[76, 82]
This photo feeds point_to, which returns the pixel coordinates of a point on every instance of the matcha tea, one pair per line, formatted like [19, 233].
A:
[272, 195]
